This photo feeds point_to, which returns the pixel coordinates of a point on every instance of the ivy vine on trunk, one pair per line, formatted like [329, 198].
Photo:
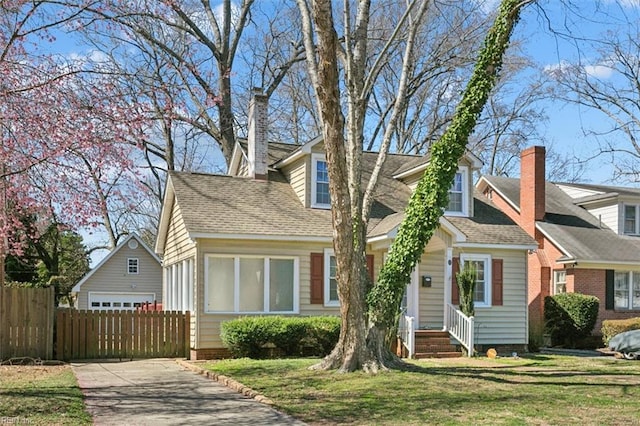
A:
[430, 197]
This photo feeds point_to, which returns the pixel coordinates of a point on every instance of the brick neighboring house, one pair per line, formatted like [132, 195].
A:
[587, 235]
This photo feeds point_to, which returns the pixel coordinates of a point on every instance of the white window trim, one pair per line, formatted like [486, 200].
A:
[327, 281]
[630, 307]
[314, 177]
[236, 284]
[624, 217]
[556, 282]
[465, 194]
[486, 258]
[129, 259]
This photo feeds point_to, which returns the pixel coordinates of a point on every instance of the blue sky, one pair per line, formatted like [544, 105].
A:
[568, 36]
[550, 30]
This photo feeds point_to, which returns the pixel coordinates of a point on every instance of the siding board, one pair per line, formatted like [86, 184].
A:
[113, 276]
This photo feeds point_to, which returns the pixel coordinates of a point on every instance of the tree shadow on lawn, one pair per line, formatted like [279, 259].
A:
[56, 399]
[523, 374]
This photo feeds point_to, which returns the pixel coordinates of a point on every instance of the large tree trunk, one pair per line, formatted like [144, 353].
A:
[351, 352]
[362, 343]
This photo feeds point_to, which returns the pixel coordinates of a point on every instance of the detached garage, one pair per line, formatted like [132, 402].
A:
[127, 277]
[104, 301]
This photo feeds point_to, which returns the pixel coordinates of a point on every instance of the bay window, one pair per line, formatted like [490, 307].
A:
[251, 284]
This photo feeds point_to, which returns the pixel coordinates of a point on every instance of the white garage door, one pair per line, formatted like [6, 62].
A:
[118, 301]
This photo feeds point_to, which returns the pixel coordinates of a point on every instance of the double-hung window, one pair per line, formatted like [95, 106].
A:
[330, 281]
[559, 282]
[319, 182]
[626, 289]
[458, 194]
[631, 219]
[251, 284]
[132, 265]
[481, 264]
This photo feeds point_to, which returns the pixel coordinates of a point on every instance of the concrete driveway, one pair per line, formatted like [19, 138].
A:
[160, 392]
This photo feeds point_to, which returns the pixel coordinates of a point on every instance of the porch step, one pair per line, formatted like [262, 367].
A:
[434, 344]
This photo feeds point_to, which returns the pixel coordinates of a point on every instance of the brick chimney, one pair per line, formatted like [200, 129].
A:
[532, 187]
[257, 135]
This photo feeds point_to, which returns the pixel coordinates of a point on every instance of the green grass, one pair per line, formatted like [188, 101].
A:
[537, 390]
[41, 395]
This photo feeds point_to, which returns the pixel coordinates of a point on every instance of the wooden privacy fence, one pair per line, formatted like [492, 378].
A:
[121, 334]
[26, 322]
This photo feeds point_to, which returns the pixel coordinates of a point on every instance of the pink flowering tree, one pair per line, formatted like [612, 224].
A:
[68, 139]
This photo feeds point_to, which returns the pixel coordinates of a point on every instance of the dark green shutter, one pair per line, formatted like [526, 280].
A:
[609, 295]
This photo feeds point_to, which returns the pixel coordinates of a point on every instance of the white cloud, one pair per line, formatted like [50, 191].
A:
[559, 68]
[489, 6]
[92, 56]
[602, 70]
[625, 3]
[598, 71]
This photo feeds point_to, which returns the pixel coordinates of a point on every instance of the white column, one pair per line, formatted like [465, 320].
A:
[448, 261]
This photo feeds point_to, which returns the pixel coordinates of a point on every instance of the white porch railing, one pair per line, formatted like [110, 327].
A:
[461, 327]
[407, 332]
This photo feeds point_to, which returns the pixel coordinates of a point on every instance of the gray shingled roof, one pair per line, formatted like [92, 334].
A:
[573, 228]
[277, 150]
[489, 225]
[222, 204]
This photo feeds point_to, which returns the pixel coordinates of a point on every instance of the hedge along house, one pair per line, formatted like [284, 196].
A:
[259, 241]
[129, 276]
[587, 237]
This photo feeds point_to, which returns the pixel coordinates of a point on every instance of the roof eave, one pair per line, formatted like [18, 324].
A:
[165, 217]
[497, 246]
[298, 153]
[596, 199]
[484, 183]
[564, 251]
[263, 237]
[236, 157]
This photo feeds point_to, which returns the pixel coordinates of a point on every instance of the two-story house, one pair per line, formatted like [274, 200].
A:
[587, 237]
[258, 241]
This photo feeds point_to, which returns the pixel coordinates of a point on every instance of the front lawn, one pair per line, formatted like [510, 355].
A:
[539, 390]
[41, 395]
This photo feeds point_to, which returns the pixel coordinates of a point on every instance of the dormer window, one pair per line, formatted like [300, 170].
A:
[631, 219]
[319, 182]
[458, 194]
